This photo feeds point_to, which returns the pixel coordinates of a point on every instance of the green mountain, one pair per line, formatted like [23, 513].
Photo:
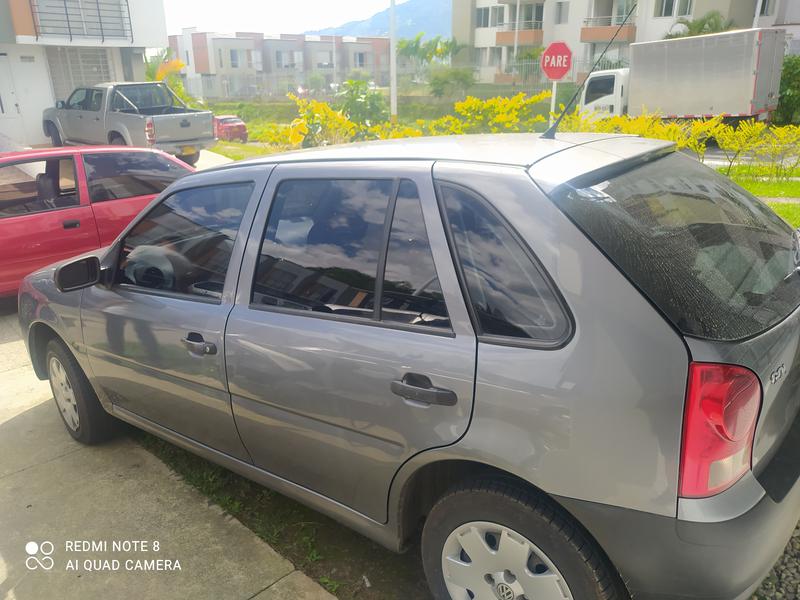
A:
[413, 16]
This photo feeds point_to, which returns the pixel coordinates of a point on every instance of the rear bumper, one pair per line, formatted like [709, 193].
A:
[177, 148]
[663, 558]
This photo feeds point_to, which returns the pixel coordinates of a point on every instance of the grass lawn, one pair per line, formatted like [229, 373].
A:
[789, 211]
[770, 189]
[239, 151]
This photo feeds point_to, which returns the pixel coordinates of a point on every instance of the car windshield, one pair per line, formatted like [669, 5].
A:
[715, 259]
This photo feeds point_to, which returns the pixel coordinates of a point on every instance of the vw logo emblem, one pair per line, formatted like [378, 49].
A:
[504, 592]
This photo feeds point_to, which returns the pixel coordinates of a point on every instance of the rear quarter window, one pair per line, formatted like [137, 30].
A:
[713, 258]
[114, 175]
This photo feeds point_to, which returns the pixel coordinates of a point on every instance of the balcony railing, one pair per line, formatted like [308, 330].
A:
[103, 19]
[523, 25]
[613, 20]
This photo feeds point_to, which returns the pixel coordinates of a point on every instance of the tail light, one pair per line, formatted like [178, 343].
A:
[150, 131]
[722, 405]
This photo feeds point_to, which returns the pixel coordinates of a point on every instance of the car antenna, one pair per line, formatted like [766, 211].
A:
[550, 134]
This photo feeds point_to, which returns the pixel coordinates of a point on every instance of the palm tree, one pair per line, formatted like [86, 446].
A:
[711, 22]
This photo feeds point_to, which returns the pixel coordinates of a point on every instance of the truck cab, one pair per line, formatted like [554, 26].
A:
[606, 93]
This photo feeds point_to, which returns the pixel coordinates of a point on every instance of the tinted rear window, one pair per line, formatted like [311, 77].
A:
[114, 175]
[715, 259]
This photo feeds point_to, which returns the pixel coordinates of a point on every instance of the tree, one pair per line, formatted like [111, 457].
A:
[711, 22]
[421, 54]
[789, 106]
[161, 67]
[360, 104]
[451, 81]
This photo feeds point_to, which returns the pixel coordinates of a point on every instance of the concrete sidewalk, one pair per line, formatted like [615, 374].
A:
[53, 489]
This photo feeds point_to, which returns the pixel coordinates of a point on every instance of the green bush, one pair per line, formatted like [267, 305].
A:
[789, 105]
[451, 81]
[284, 111]
[360, 104]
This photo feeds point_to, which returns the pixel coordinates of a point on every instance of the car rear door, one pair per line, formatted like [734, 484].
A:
[338, 374]
[155, 338]
[44, 217]
[121, 184]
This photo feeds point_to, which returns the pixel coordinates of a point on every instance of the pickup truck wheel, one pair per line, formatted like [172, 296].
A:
[118, 140]
[496, 539]
[80, 410]
[52, 133]
[190, 159]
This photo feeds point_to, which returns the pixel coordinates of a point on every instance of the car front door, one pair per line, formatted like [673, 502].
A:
[92, 124]
[155, 338]
[44, 217]
[71, 116]
[339, 373]
[121, 184]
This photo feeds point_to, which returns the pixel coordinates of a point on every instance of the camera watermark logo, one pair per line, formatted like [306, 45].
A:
[39, 556]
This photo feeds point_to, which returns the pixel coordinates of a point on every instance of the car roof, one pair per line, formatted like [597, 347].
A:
[568, 155]
[68, 150]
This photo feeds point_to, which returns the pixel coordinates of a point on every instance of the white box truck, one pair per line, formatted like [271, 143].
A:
[736, 74]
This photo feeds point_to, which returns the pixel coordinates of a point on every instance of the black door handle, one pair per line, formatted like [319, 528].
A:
[418, 388]
[195, 344]
[71, 224]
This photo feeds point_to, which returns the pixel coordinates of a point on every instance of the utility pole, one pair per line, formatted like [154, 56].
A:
[333, 56]
[759, 4]
[516, 39]
[392, 63]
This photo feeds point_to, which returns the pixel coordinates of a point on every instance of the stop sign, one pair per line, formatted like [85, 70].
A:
[556, 61]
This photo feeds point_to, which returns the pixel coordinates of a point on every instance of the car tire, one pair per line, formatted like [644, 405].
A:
[190, 159]
[530, 525]
[55, 137]
[117, 140]
[80, 410]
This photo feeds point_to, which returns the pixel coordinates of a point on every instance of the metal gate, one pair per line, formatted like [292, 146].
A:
[76, 67]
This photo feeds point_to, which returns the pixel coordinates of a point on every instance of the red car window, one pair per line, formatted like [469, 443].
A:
[114, 175]
[37, 186]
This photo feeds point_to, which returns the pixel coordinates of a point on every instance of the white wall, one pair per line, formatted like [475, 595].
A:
[148, 23]
[34, 92]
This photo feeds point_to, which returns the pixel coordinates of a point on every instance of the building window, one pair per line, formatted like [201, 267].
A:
[219, 53]
[562, 12]
[665, 8]
[186, 52]
[360, 59]
[482, 17]
[496, 16]
[684, 8]
[495, 56]
[234, 59]
[766, 7]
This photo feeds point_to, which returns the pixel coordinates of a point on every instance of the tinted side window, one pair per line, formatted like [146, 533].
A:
[114, 175]
[508, 292]
[37, 186]
[411, 291]
[184, 244]
[599, 87]
[77, 99]
[94, 100]
[321, 246]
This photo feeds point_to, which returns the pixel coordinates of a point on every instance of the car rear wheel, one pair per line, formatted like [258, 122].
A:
[118, 140]
[52, 133]
[190, 159]
[80, 410]
[496, 540]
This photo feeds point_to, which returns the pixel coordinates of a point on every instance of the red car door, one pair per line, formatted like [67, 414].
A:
[121, 183]
[44, 217]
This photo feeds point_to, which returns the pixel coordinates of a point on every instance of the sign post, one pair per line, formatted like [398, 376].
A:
[556, 62]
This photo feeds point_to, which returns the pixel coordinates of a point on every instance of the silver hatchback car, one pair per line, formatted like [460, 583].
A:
[573, 364]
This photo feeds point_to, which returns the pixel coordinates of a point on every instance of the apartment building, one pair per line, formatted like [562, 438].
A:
[50, 47]
[498, 30]
[219, 65]
[245, 65]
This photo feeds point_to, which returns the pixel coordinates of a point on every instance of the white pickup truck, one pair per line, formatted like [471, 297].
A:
[736, 74]
[145, 114]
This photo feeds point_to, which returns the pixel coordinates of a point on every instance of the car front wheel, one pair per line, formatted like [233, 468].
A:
[80, 410]
[496, 540]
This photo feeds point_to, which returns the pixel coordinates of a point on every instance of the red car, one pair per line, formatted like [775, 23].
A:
[230, 128]
[59, 202]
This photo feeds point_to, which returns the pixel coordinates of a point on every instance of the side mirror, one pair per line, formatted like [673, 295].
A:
[60, 104]
[78, 274]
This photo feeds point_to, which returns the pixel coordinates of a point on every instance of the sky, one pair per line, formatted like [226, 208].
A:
[267, 16]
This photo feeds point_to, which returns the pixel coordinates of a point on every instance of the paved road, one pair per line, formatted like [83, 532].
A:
[53, 489]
